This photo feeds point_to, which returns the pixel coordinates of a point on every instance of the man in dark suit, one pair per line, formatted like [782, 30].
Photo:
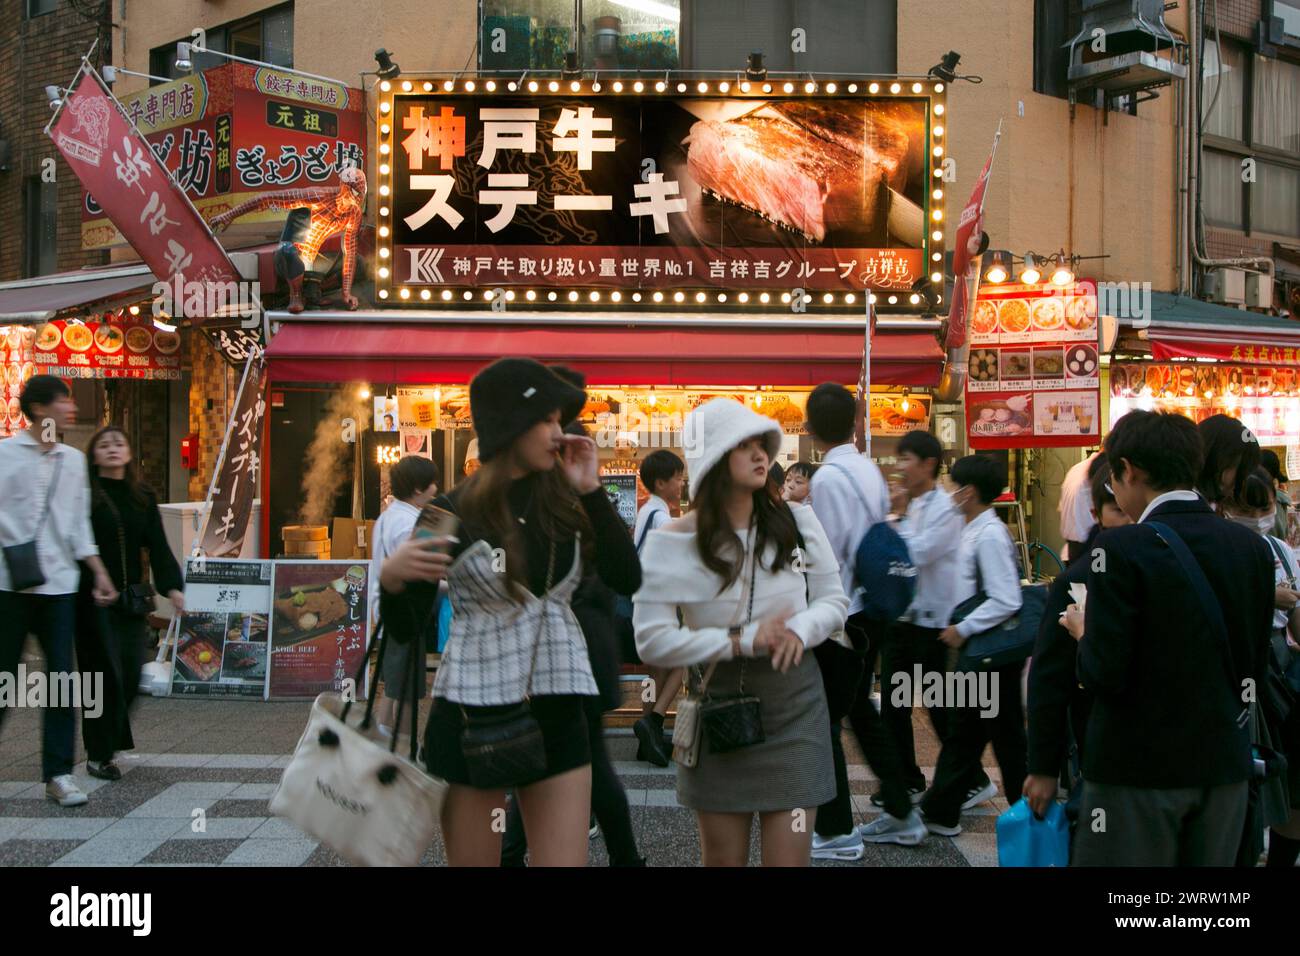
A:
[1167, 758]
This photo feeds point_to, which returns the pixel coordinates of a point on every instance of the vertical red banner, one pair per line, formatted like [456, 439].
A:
[115, 163]
[965, 248]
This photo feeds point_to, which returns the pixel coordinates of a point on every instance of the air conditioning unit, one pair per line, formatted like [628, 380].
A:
[1115, 54]
[1226, 286]
[1259, 291]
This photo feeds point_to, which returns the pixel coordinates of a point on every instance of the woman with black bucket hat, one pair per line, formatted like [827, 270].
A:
[508, 709]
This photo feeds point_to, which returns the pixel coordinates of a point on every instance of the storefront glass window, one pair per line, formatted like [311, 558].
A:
[1221, 189]
[1276, 119]
[631, 34]
[1275, 200]
[526, 34]
[1225, 71]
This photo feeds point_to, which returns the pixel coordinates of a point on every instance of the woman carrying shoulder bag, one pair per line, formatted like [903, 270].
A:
[508, 709]
[125, 518]
[737, 591]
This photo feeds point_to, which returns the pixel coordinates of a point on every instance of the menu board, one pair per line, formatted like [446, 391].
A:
[1262, 397]
[128, 348]
[622, 495]
[318, 626]
[16, 367]
[1034, 378]
[221, 650]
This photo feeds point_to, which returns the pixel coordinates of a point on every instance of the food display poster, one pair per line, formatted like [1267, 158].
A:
[894, 414]
[130, 347]
[622, 493]
[16, 367]
[1263, 398]
[420, 407]
[1034, 379]
[221, 650]
[318, 627]
[619, 190]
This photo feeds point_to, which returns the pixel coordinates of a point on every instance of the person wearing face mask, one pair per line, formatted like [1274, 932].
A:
[1230, 453]
[1255, 509]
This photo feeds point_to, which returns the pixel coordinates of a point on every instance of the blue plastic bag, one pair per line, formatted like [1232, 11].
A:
[444, 622]
[1024, 840]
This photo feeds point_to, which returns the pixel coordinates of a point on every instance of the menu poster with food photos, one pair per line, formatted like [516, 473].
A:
[318, 627]
[221, 650]
[1034, 378]
[16, 367]
[114, 347]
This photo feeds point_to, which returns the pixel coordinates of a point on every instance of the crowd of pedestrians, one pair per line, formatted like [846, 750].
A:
[1161, 683]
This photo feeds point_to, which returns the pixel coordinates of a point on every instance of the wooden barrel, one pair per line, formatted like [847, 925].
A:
[306, 532]
[307, 549]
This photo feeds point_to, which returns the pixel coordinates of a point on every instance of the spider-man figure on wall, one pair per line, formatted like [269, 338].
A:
[315, 215]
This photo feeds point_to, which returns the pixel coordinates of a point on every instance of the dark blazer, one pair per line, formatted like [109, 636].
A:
[1166, 709]
[1057, 701]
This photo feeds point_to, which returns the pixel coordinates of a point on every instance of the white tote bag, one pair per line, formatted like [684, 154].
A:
[368, 803]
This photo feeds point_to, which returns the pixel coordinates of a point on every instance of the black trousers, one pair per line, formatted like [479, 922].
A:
[905, 646]
[962, 753]
[113, 646]
[836, 817]
[52, 618]
[608, 803]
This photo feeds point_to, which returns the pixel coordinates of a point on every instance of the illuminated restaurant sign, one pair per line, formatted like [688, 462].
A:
[654, 191]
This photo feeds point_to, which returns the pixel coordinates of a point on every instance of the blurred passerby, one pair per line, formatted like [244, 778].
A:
[125, 518]
[47, 502]
[662, 473]
[725, 597]
[531, 518]
[986, 564]
[1282, 508]
[1173, 792]
[849, 496]
[931, 526]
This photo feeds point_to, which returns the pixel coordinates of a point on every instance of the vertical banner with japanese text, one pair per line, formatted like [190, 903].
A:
[964, 250]
[114, 161]
[236, 483]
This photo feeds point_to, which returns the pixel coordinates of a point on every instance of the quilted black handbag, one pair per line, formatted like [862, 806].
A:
[736, 721]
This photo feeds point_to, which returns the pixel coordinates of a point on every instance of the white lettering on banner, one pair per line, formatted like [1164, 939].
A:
[584, 203]
[586, 124]
[424, 266]
[507, 193]
[507, 129]
[157, 209]
[130, 168]
[656, 203]
[442, 185]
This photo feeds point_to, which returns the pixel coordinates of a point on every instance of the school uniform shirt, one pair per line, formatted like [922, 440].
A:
[1284, 574]
[986, 544]
[681, 619]
[849, 495]
[65, 536]
[932, 530]
[653, 514]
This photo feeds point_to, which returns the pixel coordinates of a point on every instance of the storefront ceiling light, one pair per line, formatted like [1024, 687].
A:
[384, 169]
[616, 296]
[938, 151]
[467, 295]
[596, 86]
[893, 300]
[385, 128]
[938, 172]
[469, 86]
[491, 86]
[810, 87]
[744, 87]
[764, 298]
[575, 86]
[743, 297]
[1063, 276]
[405, 293]
[938, 87]
[767, 87]
[936, 277]
[872, 298]
[594, 296]
[638, 86]
[134, 310]
[828, 298]
[428, 87]
[618, 86]
[446, 294]
[937, 215]
[873, 88]
[512, 86]
[853, 87]
[658, 296]
[553, 86]
[702, 87]
[383, 210]
[937, 256]
[636, 296]
[916, 87]
[831, 87]
[383, 272]
[383, 252]
[385, 106]
[551, 296]
[895, 87]
[487, 294]
[699, 297]
[789, 87]
[530, 295]
[383, 293]
[724, 87]
[383, 149]
[510, 295]
[785, 297]
[938, 194]
[383, 190]
[937, 236]
[573, 296]
[532, 86]
[660, 86]
[938, 109]
[406, 86]
[385, 86]
[679, 296]
[449, 85]
[913, 298]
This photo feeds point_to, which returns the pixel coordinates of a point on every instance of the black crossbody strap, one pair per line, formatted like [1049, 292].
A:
[1210, 606]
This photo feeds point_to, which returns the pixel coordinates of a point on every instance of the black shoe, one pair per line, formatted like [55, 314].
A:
[652, 743]
[104, 771]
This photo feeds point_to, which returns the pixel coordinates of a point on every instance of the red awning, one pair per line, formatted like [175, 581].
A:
[40, 299]
[610, 356]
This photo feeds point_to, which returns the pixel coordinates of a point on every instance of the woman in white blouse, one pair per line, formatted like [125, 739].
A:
[705, 598]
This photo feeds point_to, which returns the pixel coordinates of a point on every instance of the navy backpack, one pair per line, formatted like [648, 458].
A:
[883, 566]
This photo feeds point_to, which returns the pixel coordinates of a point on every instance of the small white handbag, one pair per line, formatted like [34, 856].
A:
[371, 805]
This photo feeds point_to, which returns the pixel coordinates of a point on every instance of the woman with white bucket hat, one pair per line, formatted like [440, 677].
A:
[739, 591]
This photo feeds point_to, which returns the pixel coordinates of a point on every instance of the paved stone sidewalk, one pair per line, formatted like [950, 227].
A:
[225, 758]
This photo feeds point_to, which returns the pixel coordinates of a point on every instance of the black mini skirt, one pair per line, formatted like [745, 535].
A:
[562, 719]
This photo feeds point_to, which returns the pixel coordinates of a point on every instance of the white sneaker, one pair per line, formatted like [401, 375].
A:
[887, 829]
[977, 796]
[64, 791]
[846, 847]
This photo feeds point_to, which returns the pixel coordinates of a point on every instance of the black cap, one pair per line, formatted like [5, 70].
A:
[512, 395]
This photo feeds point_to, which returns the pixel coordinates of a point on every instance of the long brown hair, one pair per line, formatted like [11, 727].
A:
[485, 507]
[138, 492]
[720, 548]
